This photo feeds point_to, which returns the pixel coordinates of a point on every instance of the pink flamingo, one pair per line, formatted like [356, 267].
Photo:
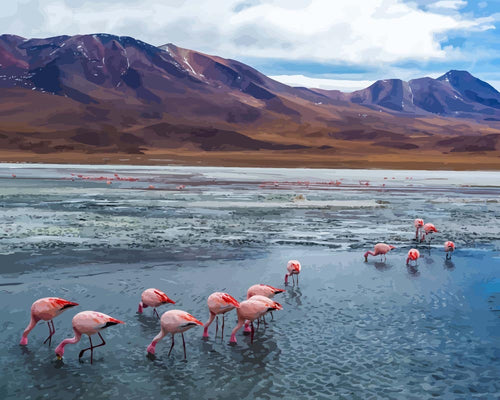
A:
[46, 309]
[219, 303]
[153, 298]
[251, 310]
[87, 323]
[174, 321]
[419, 223]
[427, 230]
[380, 249]
[413, 255]
[263, 290]
[293, 267]
[449, 247]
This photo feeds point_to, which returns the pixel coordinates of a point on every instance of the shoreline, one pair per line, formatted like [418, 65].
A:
[426, 161]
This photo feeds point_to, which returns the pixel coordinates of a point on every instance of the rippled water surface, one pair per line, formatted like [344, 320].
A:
[349, 330]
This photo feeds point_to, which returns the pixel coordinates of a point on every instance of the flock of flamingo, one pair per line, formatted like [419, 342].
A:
[258, 303]
[422, 231]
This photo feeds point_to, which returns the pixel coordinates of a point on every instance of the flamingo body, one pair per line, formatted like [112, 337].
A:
[418, 223]
[219, 303]
[153, 298]
[427, 230]
[251, 310]
[413, 255]
[46, 309]
[87, 323]
[293, 268]
[379, 249]
[263, 290]
[449, 247]
[173, 321]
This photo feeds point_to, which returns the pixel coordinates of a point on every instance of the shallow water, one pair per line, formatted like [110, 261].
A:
[350, 330]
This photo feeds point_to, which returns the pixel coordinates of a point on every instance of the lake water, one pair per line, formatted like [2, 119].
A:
[350, 330]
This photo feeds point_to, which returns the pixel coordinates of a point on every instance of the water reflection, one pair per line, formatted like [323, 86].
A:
[449, 265]
[382, 265]
[413, 270]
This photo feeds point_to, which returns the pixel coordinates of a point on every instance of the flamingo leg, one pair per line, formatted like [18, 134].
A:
[297, 279]
[92, 347]
[216, 325]
[171, 347]
[52, 330]
[184, 345]
[222, 337]
[252, 333]
[272, 316]
[156, 313]
[264, 319]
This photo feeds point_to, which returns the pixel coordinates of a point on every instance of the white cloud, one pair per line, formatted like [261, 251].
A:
[448, 4]
[321, 83]
[351, 31]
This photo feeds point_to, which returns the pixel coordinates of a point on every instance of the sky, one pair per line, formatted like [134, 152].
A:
[330, 44]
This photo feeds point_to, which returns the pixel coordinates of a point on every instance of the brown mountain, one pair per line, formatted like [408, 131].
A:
[105, 98]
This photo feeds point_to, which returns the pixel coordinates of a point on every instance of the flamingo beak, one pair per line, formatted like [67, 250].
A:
[59, 358]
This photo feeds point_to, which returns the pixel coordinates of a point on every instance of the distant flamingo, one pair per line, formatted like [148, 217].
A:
[449, 247]
[427, 230]
[419, 223]
[293, 267]
[413, 255]
[174, 321]
[153, 298]
[380, 249]
[219, 303]
[46, 309]
[87, 323]
[251, 310]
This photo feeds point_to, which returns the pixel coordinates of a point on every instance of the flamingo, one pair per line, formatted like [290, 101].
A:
[380, 249]
[413, 255]
[419, 223]
[449, 247]
[428, 229]
[87, 323]
[251, 310]
[219, 303]
[293, 267]
[153, 298]
[46, 309]
[264, 290]
[174, 321]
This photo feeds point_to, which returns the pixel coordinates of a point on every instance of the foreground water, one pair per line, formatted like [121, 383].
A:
[350, 330]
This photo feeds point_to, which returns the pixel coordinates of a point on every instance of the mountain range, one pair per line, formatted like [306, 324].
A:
[105, 98]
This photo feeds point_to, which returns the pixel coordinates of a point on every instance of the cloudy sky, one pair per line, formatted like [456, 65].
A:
[333, 44]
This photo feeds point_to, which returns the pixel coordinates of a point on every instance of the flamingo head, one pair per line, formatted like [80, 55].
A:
[419, 223]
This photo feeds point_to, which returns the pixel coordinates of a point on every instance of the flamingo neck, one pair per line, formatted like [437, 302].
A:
[371, 253]
[140, 308]
[29, 328]
[73, 340]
